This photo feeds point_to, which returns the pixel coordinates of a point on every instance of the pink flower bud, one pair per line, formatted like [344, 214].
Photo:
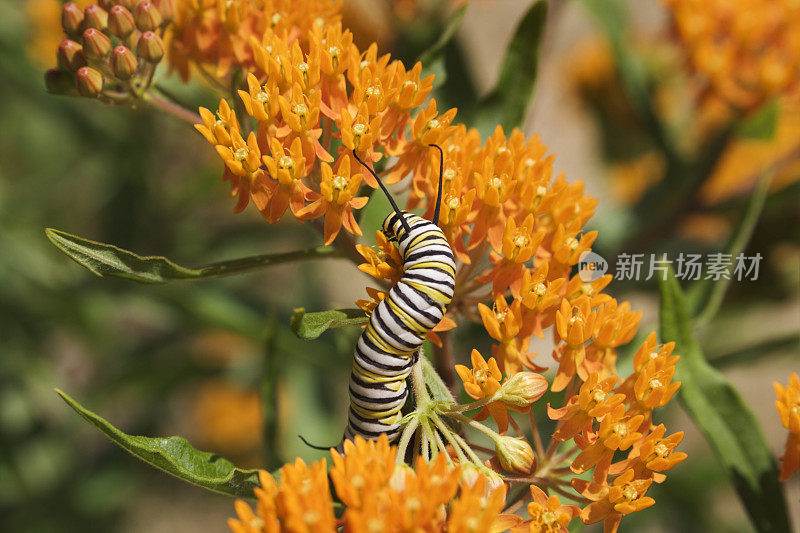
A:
[89, 82]
[71, 19]
[150, 48]
[96, 44]
[123, 62]
[148, 17]
[70, 56]
[120, 21]
[515, 455]
[95, 16]
[522, 389]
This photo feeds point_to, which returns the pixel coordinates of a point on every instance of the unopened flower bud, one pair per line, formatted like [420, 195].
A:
[515, 455]
[147, 17]
[166, 8]
[522, 389]
[96, 17]
[120, 21]
[71, 19]
[96, 44]
[59, 82]
[123, 62]
[89, 82]
[150, 47]
[70, 56]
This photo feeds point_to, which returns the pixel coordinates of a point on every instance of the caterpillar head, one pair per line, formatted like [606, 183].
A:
[394, 229]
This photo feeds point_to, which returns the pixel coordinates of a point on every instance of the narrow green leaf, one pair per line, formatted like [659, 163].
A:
[753, 352]
[509, 100]
[705, 296]
[435, 384]
[271, 376]
[106, 260]
[432, 59]
[724, 418]
[174, 455]
[762, 124]
[612, 17]
[311, 325]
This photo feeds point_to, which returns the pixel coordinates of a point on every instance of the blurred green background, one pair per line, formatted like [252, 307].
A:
[187, 358]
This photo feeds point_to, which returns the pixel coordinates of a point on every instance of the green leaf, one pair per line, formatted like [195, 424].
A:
[435, 384]
[106, 260]
[612, 17]
[509, 100]
[174, 455]
[432, 59]
[705, 296]
[753, 352]
[723, 417]
[311, 325]
[762, 124]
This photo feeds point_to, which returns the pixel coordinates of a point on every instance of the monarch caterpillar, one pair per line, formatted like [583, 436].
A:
[389, 345]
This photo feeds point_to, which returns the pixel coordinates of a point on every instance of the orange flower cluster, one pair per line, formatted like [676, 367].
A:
[378, 494]
[602, 417]
[315, 98]
[788, 405]
[746, 51]
[217, 37]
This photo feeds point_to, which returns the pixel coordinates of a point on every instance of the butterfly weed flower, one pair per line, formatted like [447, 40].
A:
[336, 199]
[788, 405]
[287, 166]
[547, 514]
[610, 502]
[746, 54]
[652, 455]
[595, 399]
[378, 494]
[503, 323]
[300, 501]
[617, 431]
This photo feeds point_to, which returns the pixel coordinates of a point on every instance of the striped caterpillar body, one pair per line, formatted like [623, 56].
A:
[387, 348]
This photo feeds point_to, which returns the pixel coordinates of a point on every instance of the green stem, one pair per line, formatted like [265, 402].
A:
[405, 438]
[438, 439]
[226, 268]
[466, 447]
[476, 425]
[460, 408]
[172, 108]
[269, 397]
[421, 395]
[448, 434]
